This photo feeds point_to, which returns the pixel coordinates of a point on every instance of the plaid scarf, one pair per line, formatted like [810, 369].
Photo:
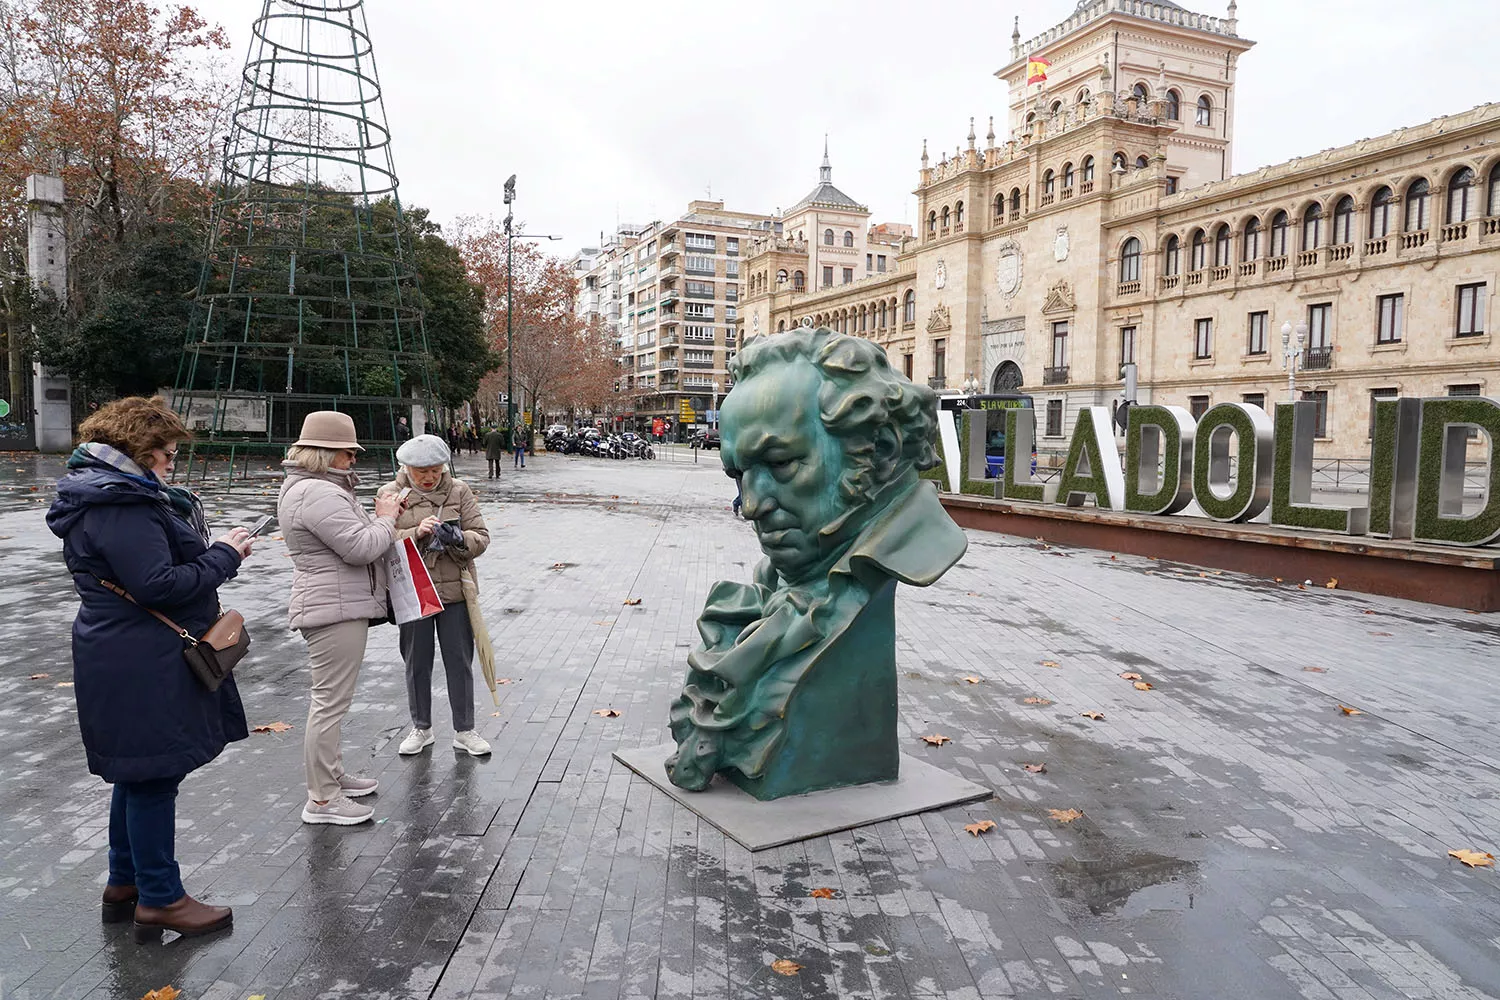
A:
[182, 501]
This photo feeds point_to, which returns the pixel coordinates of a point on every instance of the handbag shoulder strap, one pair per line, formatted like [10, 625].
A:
[182, 633]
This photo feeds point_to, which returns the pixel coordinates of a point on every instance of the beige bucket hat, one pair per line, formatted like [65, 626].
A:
[328, 429]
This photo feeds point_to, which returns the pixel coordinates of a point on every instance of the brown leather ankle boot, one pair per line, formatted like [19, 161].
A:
[119, 903]
[187, 917]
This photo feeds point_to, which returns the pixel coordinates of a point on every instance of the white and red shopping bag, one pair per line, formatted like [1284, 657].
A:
[413, 595]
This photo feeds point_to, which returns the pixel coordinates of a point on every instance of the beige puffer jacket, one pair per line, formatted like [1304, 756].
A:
[338, 548]
[451, 499]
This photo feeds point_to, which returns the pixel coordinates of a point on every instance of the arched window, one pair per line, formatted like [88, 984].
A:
[1067, 175]
[909, 313]
[1056, 106]
[863, 317]
[1312, 227]
[1200, 251]
[781, 326]
[1140, 93]
[947, 218]
[1117, 162]
[781, 277]
[1049, 182]
[882, 315]
[1141, 163]
[1015, 202]
[1171, 262]
[848, 238]
[1461, 200]
[1205, 111]
[931, 223]
[1088, 169]
[799, 281]
[1130, 260]
[828, 237]
[958, 217]
[1493, 206]
[1030, 118]
[1279, 225]
[999, 206]
[1083, 96]
[1416, 205]
[1174, 106]
[1250, 246]
[1380, 214]
[1222, 245]
[1343, 221]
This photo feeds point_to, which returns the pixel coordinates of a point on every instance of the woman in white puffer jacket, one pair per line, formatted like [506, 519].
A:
[338, 585]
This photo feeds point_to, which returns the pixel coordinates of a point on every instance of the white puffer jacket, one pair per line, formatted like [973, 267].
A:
[338, 548]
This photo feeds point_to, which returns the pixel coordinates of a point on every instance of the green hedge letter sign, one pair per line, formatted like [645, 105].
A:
[1020, 442]
[1086, 473]
[1291, 493]
[1158, 436]
[1440, 480]
[1247, 475]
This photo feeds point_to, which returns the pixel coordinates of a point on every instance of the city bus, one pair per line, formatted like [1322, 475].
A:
[994, 407]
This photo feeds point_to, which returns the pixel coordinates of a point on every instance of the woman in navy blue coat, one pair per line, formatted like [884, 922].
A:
[146, 719]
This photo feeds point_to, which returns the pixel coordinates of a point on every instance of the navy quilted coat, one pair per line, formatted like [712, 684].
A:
[142, 712]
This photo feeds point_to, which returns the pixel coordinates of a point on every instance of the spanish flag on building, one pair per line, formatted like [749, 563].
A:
[1036, 69]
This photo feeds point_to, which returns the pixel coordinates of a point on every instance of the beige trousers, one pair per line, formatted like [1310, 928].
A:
[336, 652]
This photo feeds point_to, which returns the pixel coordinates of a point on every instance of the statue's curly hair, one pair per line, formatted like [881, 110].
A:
[861, 395]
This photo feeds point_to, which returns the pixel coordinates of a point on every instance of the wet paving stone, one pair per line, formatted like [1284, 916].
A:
[1239, 837]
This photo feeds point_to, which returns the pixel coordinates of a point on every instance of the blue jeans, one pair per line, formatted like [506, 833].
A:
[520, 459]
[142, 834]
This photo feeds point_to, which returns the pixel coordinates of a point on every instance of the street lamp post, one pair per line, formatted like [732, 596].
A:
[1291, 355]
[510, 391]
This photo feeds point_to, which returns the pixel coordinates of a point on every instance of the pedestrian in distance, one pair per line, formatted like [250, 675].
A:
[494, 450]
[442, 517]
[471, 438]
[146, 719]
[403, 429]
[338, 585]
[518, 442]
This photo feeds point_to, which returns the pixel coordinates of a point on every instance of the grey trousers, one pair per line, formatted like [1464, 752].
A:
[335, 652]
[456, 637]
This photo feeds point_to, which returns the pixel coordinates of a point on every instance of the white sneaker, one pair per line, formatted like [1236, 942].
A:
[416, 741]
[338, 811]
[470, 741]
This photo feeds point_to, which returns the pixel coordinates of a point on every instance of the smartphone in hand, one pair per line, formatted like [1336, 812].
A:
[259, 527]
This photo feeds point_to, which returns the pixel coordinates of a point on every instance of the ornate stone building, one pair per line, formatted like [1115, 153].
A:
[1107, 230]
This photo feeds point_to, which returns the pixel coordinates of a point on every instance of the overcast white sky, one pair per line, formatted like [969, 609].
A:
[625, 112]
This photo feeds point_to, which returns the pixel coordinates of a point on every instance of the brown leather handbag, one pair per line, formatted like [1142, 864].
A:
[212, 657]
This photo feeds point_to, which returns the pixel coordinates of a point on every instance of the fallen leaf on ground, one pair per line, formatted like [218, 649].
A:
[1051, 663]
[272, 727]
[977, 828]
[972, 680]
[1315, 670]
[1301, 586]
[936, 739]
[824, 893]
[1349, 711]
[785, 967]
[1474, 859]
[632, 601]
[38, 677]
[1035, 768]
[1113, 557]
[1096, 716]
[494, 715]
[65, 684]
[506, 680]
[165, 993]
[607, 713]
[1038, 701]
[1278, 579]
[1368, 611]
[1333, 583]
[1064, 815]
[1380, 633]
[258, 996]
[1130, 675]
[559, 565]
[1141, 686]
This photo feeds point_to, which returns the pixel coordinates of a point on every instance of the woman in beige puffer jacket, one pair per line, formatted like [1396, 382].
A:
[338, 585]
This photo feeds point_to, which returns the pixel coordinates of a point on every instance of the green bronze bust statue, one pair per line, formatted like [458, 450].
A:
[793, 688]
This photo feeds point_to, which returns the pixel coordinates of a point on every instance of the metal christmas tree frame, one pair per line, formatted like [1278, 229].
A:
[309, 296]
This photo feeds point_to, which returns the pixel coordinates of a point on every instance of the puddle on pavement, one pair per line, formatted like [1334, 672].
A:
[1125, 883]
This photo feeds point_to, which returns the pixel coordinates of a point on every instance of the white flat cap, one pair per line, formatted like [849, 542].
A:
[424, 451]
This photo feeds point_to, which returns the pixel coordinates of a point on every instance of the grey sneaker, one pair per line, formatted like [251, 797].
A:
[471, 742]
[338, 811]
[416, 741]
[355, 787]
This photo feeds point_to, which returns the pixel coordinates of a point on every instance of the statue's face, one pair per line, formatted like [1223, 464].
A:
[787, 463]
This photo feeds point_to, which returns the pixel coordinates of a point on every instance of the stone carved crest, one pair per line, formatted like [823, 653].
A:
[1008, 269]
[1059, 298]
[1060, 245]
[938, 320]
[940, 275]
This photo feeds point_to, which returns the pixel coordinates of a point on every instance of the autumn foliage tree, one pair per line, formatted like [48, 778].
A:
[561, 365]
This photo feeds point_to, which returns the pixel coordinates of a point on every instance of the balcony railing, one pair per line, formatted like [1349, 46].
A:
[939, 382]
[1341, 252]
[1410, 241]
[668, 364]
[1317, 358]
[693, 363]
[1491, 226]
[1048, 199]
[1457, 231]
[1194, 278]
[1307, 258]
[697, 295]
[668, 295]
[1274, 264]
[1128, 288]
[1056, 375]
[1247, 268]
[1087, 187]
[1219, 272]
[1170, 281]
[1378, 245]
